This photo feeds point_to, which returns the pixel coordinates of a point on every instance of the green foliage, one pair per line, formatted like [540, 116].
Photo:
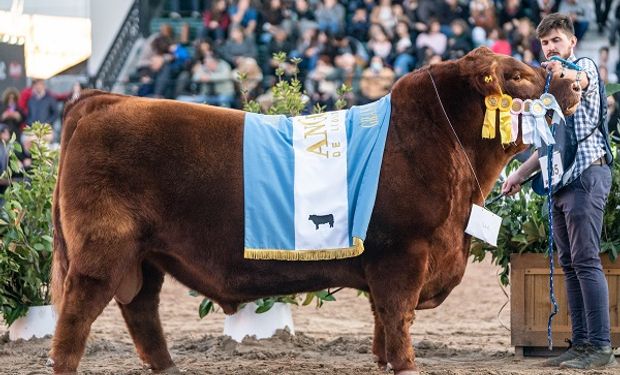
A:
[26, 227]
[525, 223]
[612, 88]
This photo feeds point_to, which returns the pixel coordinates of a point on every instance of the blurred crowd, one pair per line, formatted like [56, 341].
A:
[366, 44]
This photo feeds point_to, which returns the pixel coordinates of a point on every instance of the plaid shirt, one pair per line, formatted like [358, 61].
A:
[586, 121]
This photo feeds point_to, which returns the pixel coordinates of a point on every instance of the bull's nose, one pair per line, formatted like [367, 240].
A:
[576, 87]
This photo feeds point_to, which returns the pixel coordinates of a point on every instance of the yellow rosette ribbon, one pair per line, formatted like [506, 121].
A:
[488, 126]
[505, 124]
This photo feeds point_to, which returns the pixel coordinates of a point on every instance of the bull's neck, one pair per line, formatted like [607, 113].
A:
[456, 114]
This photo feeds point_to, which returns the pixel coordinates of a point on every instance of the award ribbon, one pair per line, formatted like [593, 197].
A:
[551, 103]
[505, 124]
[488, 126]
[527, 123]
[542, 130]
[515, 110]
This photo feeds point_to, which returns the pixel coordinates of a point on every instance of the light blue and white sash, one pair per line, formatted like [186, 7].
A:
[310, 182]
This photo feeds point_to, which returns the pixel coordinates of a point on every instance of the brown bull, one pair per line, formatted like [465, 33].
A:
[148, 187]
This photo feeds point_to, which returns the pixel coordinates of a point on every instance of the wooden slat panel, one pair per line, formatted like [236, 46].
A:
[530, 305]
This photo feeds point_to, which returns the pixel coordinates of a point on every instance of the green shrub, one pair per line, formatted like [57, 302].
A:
[26, 227]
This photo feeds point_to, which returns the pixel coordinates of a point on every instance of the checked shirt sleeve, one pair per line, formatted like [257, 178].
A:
[588, 114]
[591, 142]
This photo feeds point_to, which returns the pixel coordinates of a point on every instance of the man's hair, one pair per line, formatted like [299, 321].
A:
[555, 21]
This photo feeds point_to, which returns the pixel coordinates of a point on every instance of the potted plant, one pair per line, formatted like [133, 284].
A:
[26, 238]
[522, 255]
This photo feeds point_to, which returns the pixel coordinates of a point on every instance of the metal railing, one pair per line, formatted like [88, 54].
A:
[119, 50]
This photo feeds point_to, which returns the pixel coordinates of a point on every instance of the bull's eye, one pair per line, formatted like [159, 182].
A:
[516, 76]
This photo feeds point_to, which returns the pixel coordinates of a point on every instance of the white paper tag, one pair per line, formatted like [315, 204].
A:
[558, 169]
[484, 225]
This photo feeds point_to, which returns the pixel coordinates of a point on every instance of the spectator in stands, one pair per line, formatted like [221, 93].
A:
[376, 80]
[42, 106]
[602, 8]
[342, 44]
[148, 52]
[244, 15]
[433, 39]
[273, 16]
[460, 43]
[512, 10]
[216, 21]
[499, 42]
[157, 78]
[248, 67]
[383, 15]
[580, 15]
[359, 24]
[379, 43]
[546, 7]
[301, 18]
[308, 49]
[238, 45]
[279, 43]
[330, 16]
[321, 83]
[176, 9]
[529, 58]
[404, 50]
[215, 79]
[523, 38]
[448, 12]
[482, 14]
[10, 114]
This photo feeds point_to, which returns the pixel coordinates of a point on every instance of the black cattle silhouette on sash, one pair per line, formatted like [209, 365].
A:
[322, 219]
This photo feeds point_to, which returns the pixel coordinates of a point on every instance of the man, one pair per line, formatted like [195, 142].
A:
[578, 207]
[42, 106]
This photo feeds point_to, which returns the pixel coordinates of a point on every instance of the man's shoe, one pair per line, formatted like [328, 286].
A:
[572, 353]
[594, 357]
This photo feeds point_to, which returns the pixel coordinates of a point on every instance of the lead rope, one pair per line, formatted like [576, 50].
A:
[428, 70]
[550, 210]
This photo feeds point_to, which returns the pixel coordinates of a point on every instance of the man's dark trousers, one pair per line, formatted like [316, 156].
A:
[577, 223]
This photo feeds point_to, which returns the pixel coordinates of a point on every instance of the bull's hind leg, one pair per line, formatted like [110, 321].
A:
[84, 298]
[395, 295]
[142, 318]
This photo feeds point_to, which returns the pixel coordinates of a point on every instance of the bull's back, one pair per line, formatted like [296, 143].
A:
[155, 162]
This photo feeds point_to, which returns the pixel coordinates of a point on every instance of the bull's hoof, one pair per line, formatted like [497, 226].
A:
[403, 372]
[49, 363]
[169, 370]
[380, 363]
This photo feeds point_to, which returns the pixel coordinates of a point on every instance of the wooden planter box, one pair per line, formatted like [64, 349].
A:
[530, 305]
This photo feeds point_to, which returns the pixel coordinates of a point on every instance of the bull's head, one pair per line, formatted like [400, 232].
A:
[493, 74]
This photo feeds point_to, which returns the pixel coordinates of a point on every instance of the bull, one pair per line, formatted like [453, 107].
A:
[148, 187]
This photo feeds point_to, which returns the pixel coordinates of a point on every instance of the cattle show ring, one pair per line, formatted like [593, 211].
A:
[278, 236]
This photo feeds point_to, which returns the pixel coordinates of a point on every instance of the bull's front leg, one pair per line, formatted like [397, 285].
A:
[395, 285]
[378, 339]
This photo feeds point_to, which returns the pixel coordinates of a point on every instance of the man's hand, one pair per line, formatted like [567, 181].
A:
[553, 66]
[512, 185]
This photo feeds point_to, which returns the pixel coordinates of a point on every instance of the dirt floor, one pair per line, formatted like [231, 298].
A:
[462, 336]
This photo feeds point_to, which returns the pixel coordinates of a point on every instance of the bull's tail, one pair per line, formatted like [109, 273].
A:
[60, 262]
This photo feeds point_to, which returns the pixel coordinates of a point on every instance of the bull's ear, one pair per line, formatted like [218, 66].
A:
[480, 67]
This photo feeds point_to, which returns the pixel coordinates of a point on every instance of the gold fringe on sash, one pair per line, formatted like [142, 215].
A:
[308, 255]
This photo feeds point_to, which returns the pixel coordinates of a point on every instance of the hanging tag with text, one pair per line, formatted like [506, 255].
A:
[557, 168]
[484, 225]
